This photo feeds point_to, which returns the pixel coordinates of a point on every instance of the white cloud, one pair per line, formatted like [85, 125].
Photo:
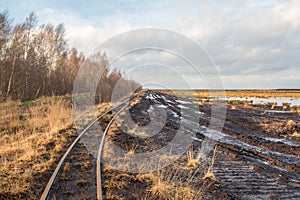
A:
[246, 40]
[79, 31]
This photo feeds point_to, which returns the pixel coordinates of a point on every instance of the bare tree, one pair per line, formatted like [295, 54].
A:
[36, 61]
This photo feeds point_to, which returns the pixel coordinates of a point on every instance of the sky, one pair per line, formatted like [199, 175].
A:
[244, 44]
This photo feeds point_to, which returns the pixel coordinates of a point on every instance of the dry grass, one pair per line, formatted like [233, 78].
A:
[167, 187]
[171, 183]
[209, 174]
[236, 93]
[233, 107]
[295, 134]
[288, 127]
[180, 182]
[192, 162]
[136, 132]
[295, 109]
[131, 150]
[103, 107]
[182, 179]
[263, 93]
[30, 143]
[175, 184]
[137, 99]
[134, 102]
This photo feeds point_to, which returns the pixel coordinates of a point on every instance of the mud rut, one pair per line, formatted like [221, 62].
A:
[246, 167]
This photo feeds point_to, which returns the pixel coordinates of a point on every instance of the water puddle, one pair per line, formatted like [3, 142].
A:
[279, 101]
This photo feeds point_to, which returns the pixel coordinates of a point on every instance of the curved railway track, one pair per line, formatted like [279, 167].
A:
[98, 171]
[60, 165]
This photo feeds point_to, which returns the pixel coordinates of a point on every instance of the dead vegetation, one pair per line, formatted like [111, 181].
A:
[192, 161]
[137, 99]
[235, 93]
[171, 183]
[31, 138]
[288, 127]
[166, 186]
[184, 179]
[181, 182]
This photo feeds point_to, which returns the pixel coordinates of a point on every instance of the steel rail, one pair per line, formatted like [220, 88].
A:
[98, 167]
[58, 168]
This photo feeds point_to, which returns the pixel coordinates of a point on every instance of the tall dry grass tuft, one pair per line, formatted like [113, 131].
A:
[210, 174]
[168, 185]
[192, 162]
[30, 143]
[174, 184]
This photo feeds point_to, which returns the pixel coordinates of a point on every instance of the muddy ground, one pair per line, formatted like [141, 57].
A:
[255, 156]
[258, 159]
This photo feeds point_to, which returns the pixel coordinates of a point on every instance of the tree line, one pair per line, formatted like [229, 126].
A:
[36, 61]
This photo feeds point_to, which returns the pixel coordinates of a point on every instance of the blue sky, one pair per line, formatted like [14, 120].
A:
[255, 44]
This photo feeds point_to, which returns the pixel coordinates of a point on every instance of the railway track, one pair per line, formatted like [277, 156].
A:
[48, 191]
[98, 170]
[244, 170]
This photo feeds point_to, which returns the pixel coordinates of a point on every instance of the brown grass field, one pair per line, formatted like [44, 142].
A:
[295, 93]
[31, 139]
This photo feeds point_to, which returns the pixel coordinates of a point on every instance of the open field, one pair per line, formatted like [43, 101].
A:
[292, 93]
[255, 155]
[145, 100]
[267, 100]
[32, 136]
